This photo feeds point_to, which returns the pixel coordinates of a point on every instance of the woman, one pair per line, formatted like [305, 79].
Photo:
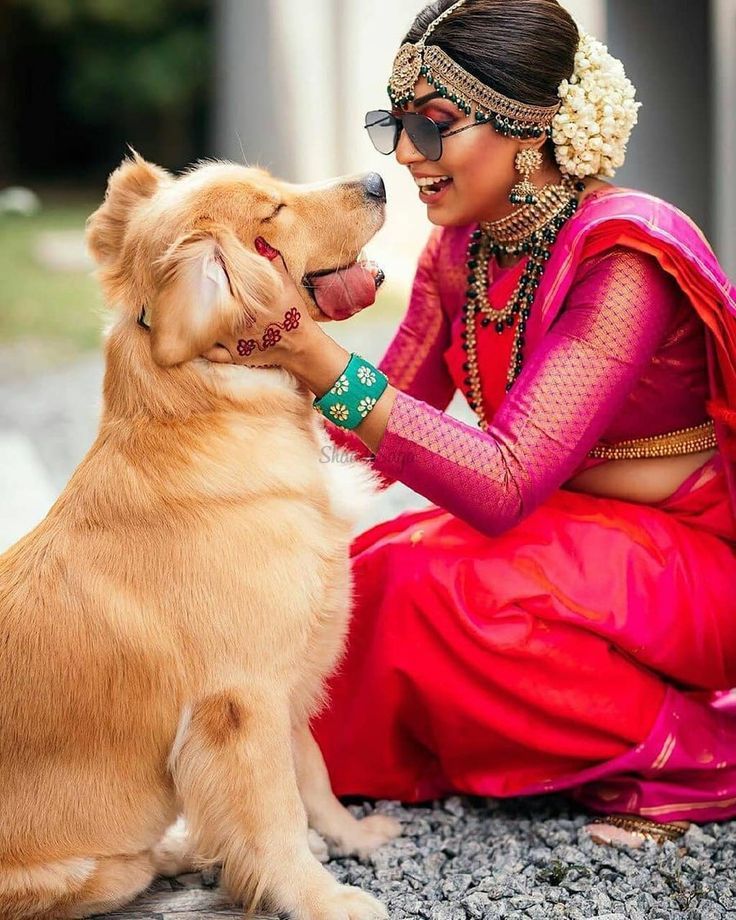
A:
[564, 617]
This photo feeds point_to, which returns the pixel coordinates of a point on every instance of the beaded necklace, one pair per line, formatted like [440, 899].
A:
[532, 231]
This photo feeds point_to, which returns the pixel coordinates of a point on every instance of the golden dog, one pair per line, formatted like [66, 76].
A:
[166, 631]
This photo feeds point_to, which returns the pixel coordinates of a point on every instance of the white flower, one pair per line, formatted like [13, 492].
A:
[341, 385]
[597, 115]
[365, 405]
[580, 142]
[366, 376]
[339, 411]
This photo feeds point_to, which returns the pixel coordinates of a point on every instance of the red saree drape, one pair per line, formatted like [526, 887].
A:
[590, 647]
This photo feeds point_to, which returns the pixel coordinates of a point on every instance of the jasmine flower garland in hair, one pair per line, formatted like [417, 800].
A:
[598, 112]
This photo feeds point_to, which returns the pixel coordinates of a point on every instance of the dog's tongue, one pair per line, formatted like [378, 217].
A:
[347, 291]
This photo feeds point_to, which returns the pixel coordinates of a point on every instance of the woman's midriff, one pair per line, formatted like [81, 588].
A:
[639, 480]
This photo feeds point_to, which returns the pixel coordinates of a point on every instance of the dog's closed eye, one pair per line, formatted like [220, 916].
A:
[275, 213]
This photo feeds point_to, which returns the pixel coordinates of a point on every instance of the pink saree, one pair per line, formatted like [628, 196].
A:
[514, 639]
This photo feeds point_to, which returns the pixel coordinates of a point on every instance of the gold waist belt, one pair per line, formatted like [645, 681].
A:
[675, 444]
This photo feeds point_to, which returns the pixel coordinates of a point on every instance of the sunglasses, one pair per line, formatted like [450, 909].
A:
[384, 130]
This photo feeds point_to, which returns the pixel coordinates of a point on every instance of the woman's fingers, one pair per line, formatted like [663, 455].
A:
[218, 354]
[279, 326]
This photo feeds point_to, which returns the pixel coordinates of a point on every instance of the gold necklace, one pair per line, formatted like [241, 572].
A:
[532, 230]
[511, 233]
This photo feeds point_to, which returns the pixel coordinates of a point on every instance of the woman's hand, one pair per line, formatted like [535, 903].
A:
[281, 333]
[288, 337]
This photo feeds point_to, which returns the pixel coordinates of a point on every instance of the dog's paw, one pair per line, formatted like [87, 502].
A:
[365, 836]
[318, 846]
[349, 903]
[173, 854]
[382, 825]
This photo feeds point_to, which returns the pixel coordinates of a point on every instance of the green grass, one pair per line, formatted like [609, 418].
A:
[55, 308]
[61, 312]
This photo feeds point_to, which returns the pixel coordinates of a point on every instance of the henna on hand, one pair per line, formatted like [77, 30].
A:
[272, 334]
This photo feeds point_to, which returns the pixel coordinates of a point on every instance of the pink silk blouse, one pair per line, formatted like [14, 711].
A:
[625, 358]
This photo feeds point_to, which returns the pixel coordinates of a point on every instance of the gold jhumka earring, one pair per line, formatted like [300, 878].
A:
[527, 163]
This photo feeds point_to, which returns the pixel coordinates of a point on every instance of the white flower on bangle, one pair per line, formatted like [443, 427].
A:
[366, 376]
[365, 405]
[341, 385]
[339, 411]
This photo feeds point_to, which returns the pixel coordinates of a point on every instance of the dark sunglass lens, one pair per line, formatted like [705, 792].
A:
[424, 134]
[383, 130]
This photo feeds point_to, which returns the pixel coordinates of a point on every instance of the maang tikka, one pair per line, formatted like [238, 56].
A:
[453, 82]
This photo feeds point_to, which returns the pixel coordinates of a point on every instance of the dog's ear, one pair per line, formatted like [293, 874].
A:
[132, 183]
[211, 287]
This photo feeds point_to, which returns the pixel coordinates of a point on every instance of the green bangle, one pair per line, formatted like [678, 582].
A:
[354, 394]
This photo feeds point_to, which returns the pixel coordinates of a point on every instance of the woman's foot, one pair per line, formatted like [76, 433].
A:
[633, 831]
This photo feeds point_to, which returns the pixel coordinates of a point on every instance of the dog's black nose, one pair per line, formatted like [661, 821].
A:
[374, 187]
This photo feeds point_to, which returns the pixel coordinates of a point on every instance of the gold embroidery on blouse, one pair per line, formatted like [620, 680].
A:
[675, 444]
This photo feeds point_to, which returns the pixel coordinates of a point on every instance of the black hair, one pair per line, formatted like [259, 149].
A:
[521, 48]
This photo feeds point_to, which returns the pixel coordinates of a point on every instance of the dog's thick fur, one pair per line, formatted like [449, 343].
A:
[166, 631]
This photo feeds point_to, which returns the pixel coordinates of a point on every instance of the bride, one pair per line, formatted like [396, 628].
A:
[563, 617]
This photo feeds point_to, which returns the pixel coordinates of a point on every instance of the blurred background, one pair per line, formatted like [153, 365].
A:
[283, 84]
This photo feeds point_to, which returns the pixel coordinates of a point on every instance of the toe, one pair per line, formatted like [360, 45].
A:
[607, 834]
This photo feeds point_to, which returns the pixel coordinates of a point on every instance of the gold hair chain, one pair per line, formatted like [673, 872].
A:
[509, 116]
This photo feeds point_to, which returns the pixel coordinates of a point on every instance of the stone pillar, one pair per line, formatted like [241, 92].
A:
[306, 40]
[373, 34]
[590, 14]
[723, 29]
[276, 86]
[666, 46]
[248, 90]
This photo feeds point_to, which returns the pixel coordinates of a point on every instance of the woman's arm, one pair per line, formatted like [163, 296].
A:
[413, 361]
[568, 393]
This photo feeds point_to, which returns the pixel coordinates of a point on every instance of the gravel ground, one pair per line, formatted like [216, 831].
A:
[472, 858]
[459, 859]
